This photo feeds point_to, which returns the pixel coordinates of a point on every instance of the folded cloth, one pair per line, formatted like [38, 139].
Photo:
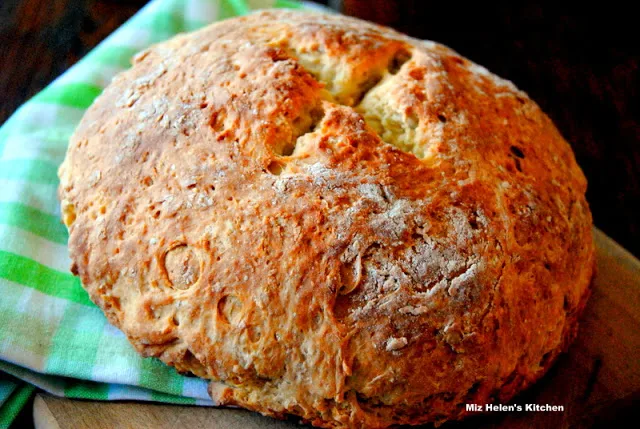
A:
[51, 335]
[13, 395]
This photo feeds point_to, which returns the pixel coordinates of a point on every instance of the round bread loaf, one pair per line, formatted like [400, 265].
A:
[329, 219]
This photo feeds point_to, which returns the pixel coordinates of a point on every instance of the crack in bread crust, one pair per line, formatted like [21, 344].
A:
[328, 219]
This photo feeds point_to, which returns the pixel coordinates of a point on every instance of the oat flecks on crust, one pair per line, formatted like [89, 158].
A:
[329, 219]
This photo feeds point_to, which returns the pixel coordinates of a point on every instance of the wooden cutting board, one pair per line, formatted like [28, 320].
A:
[597, 381]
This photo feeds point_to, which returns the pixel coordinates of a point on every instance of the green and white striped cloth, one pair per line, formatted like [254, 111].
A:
[51, 335]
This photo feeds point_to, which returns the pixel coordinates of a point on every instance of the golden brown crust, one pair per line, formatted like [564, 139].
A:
[329, 219]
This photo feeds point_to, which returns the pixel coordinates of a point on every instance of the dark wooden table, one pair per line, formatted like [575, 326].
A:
[580, 65]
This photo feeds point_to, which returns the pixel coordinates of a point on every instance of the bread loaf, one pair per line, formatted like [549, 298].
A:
[329, 219]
